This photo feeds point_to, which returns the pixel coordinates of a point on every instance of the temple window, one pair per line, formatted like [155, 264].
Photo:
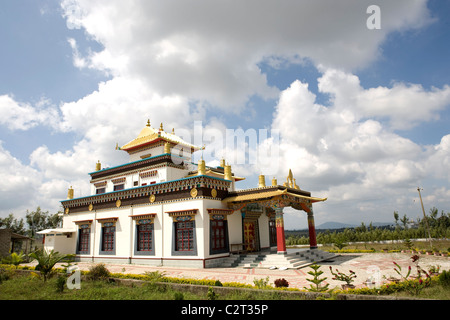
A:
[108, 236]
[218, 235]
[100, 190]
[184, 235]
[118, 187]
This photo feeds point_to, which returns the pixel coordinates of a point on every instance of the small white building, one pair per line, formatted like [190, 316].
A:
[160, 209]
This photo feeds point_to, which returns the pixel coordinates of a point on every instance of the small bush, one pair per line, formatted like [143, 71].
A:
[261, 283]
[211, 295]
[444, 278]
[98, 272]
[60, 283]
[281, 283]
[4, 274]
[178, 296]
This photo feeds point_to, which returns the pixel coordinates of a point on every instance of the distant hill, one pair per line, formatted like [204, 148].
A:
[335, 225]
[340, 225]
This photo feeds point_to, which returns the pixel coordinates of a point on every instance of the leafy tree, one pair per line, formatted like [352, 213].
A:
[396, 218]
[16, 225]
[40, 220]
[316, 280]
[405, 220]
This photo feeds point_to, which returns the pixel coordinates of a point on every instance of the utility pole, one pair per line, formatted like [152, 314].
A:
[425, 217]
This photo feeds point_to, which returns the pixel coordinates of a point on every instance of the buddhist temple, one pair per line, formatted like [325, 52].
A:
[162, 209]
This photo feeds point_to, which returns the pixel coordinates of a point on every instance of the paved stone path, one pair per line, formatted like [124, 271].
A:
[378, 266]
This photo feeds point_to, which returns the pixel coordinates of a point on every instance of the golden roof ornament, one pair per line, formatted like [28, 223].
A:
[167, 147]
[228, 175]
[290, 181]
[274, 181]
[201, 167]
[262, 181]
[70, 193]
[98, 166]
[161, 127]
[148, 122]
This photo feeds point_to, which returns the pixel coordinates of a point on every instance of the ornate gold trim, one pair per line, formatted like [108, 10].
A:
[194, 192]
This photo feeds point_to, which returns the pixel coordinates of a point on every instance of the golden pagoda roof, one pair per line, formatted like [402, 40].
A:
[149, 135]
[269, 194]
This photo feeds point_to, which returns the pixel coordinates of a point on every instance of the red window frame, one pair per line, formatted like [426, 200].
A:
[108, 238]
[218, 235]
[184, 236]
[83, 244]
[145, 237]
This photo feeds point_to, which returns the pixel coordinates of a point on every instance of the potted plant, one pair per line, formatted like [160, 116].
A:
[348, 279]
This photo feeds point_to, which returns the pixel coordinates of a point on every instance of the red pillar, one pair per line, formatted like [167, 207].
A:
[279, 222]
[312, 231]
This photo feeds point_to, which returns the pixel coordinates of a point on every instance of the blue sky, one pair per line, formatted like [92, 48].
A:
[363, 114]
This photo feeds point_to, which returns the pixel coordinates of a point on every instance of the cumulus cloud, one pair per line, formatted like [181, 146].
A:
[341, 152]
[18, 182]
[23, 116]
[403, 105]
[209, 51]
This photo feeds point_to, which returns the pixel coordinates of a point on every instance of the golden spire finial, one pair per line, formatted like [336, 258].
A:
[148, 122]
[70, 193]
[201, 167]
[227, 174]
[173, 130]
[274, 181]
[161, 127]
[261, 181]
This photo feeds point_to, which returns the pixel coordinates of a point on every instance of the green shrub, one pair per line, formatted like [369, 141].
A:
[98, 272]
[211, 295]
[261, 283]
[60, 283]
[4, 274]
[178, 296]
[444, 278]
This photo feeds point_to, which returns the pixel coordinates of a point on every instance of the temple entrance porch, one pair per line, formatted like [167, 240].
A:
[271, 201]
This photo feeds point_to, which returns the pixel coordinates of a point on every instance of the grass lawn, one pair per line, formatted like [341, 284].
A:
[22, 287]
[27, 287]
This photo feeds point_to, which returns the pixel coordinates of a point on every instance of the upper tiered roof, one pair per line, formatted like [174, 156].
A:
[149, 136]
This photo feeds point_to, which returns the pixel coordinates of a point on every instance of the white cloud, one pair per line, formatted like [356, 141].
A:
[23, 116]
[360, 164]
[403, 105]
[209, 51]
[18, 182]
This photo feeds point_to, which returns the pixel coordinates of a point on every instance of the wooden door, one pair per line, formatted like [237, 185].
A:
[250, 235]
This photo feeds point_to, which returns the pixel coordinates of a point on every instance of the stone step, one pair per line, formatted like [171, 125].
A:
[294, 260]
